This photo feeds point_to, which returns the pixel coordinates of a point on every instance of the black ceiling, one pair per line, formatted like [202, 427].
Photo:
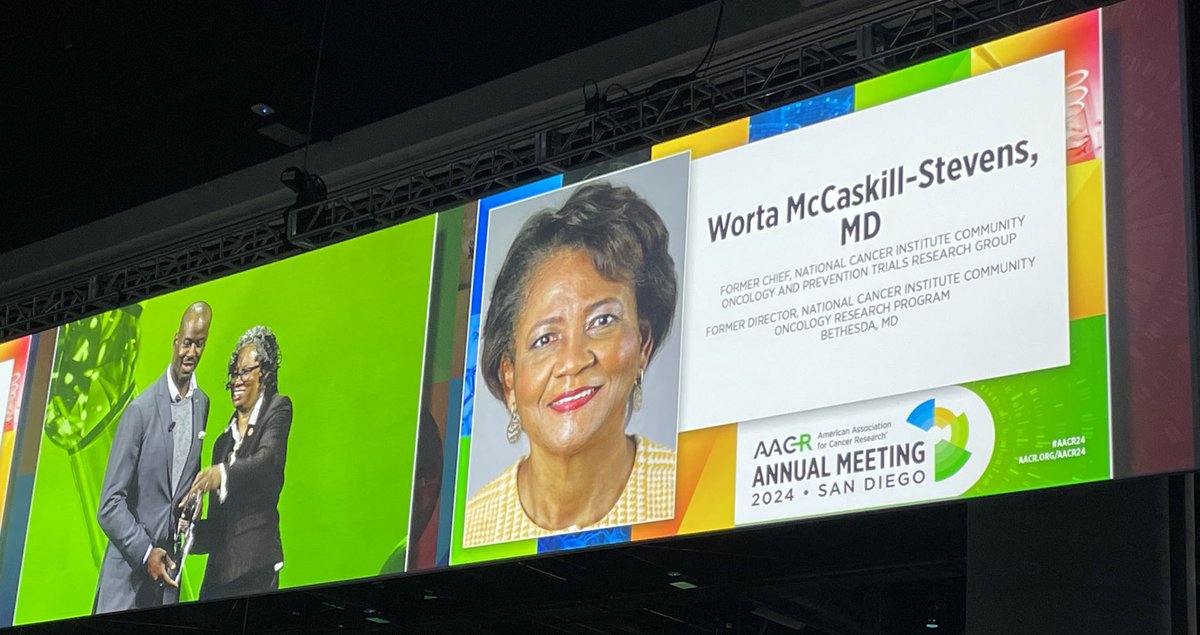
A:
[108, 105]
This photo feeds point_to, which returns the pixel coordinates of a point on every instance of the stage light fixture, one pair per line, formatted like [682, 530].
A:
[309, 188]
[262, 110]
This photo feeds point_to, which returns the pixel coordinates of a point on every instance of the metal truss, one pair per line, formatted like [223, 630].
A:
[174, 266]
[833, 55]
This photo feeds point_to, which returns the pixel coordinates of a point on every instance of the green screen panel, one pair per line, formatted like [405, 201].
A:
[350, 321]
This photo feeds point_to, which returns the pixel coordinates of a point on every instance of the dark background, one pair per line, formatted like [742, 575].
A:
[108, 105]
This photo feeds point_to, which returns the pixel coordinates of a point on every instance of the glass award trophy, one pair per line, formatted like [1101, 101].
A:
[184, 533]
[90, 385]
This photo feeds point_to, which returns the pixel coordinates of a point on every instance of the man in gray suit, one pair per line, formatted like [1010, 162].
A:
[155, 456]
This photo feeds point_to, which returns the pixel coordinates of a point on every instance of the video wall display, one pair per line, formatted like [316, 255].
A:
[927, 286]
[247, 434]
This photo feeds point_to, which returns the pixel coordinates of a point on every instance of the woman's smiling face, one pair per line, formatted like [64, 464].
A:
[245, 384]
[578, 347]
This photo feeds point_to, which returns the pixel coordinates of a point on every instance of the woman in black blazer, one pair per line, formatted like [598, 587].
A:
[241, 532]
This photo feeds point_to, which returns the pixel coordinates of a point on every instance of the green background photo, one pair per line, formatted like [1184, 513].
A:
[350, 321]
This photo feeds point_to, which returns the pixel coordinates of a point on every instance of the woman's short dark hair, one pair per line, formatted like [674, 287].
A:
[263, 341]
[627, 242]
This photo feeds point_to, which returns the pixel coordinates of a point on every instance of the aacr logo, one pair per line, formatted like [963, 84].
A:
[791, 444]
[949, 456]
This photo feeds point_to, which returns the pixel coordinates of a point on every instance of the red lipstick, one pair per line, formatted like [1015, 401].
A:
[573, 399]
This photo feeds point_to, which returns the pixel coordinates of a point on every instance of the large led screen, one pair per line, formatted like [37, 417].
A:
[968, 277]
[301, 379]
[880, 288]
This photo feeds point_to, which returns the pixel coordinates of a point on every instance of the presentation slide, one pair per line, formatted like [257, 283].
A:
[905, 302]
[900, 248]
[890, 294]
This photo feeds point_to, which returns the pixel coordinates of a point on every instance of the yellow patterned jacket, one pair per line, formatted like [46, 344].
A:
[495, 513]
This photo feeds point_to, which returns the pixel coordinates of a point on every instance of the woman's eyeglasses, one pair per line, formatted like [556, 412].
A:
[243, 374]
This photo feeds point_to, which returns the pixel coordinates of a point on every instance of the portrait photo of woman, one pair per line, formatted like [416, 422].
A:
[241, 532]
[576, 350]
